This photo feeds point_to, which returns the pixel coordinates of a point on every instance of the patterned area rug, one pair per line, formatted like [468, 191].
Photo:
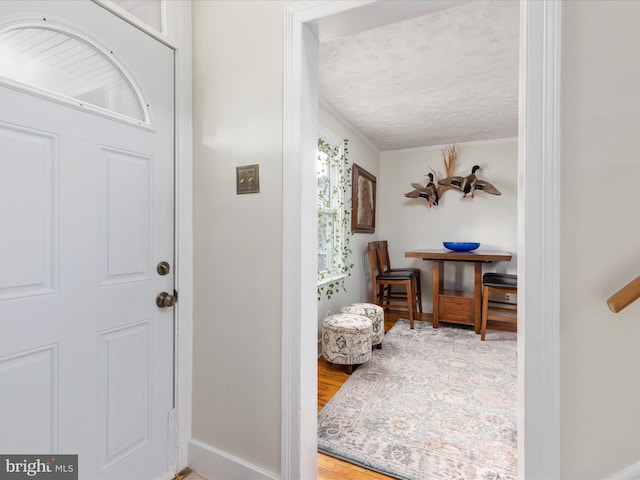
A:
[431, 404]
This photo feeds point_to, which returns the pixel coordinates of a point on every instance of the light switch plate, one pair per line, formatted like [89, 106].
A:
[248, 179]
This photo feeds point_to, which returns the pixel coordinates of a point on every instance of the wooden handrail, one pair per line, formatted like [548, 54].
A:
[626, 295]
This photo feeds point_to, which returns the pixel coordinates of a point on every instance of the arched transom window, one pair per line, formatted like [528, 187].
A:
[66, 65]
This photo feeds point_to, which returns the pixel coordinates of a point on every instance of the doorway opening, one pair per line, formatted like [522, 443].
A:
[538, 149]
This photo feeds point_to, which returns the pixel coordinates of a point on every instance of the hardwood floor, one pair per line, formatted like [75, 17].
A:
[330, 379]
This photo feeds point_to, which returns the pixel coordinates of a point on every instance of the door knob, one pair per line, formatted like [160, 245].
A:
[165, 299]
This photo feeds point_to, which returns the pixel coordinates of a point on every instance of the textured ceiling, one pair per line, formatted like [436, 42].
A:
[447, 77]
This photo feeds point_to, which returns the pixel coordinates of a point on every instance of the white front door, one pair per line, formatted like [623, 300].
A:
[86, 215]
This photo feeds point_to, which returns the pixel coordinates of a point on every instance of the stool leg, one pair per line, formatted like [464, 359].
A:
[411, 300]
[419, 289]
[375, 293]
[485, 312]
[349, 369]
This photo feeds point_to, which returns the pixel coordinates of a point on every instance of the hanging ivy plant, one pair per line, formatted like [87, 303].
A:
[334, 186]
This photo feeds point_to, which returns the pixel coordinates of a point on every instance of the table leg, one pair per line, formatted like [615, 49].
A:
[477, 296]
[438, 282]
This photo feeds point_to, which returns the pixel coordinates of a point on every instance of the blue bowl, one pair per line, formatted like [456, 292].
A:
[461, 246]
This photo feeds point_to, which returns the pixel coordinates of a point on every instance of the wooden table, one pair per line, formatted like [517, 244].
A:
[456, 306]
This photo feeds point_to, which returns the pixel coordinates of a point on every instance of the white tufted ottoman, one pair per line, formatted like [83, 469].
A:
[346, 339]
[373, 312]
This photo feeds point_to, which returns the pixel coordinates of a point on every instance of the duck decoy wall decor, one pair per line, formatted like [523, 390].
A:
[466, 184]
[470, 183]
[429, 191]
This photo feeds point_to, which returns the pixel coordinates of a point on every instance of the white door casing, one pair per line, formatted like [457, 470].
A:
[539, 225]
[87, 202]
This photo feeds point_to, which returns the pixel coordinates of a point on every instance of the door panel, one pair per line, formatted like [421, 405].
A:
[33, 376]
[125, 373]
[126, 205]
[87, 205]
[32, 157]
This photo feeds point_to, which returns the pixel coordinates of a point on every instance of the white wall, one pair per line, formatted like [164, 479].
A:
[600, 238]
[238, 78]
[357, 285]
[409, 223]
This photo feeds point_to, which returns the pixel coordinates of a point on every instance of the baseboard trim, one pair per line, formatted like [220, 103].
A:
[168, 475]
[630, 473]
[213, 463]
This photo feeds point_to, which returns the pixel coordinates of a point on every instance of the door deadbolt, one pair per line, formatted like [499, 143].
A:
[165, 299]
[163, 268]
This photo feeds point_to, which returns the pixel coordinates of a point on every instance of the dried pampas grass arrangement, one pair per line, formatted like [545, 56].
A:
[449, 157]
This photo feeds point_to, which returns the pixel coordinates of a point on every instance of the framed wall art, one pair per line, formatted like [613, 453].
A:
[363, 201]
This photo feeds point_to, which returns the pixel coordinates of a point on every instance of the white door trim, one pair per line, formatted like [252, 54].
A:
[178, 37]
[179, 28]
[539, 241]
[538, 213]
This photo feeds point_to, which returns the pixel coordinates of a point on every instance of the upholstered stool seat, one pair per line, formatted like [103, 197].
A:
[504, 280]
[346, 339]
[373, 312]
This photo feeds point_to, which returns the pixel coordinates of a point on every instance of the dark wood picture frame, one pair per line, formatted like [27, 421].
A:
[363, 201]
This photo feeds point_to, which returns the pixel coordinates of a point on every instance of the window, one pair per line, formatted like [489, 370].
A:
[333, 182]
[64, 64]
